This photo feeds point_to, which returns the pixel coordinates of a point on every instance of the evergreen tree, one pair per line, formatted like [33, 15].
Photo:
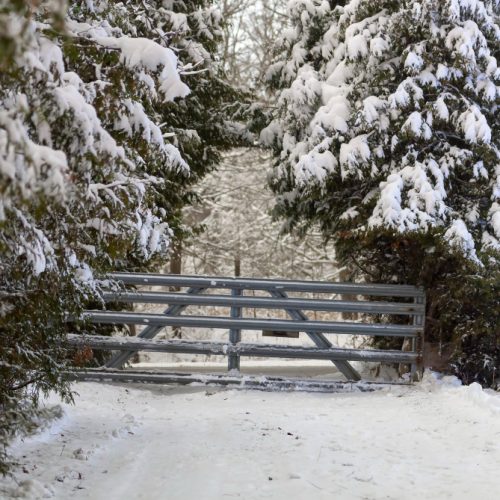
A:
[208, 122]
[386, 136]
[98, 148]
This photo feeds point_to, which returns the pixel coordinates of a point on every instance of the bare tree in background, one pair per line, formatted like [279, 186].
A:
[252, 28]
[240, 236]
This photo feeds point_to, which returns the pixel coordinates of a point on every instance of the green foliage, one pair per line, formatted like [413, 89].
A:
[207, 122]
[95, 165]
[463, 306]
[474, 311]
[33, 356]
[376, 143]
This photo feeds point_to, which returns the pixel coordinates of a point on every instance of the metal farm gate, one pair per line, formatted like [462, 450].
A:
[406, 303]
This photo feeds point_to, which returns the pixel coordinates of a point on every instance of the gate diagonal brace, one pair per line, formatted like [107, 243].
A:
[118, 360]
[319, 339]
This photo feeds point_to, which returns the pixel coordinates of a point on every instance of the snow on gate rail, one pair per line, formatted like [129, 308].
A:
[400, 300]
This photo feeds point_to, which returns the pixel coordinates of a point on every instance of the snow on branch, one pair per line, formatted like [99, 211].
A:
[393, 102]
[144, 53]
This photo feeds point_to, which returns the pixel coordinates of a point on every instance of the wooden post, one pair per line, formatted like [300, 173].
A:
[417, 344]
[234, 335]
[237, 265]
[176, 268]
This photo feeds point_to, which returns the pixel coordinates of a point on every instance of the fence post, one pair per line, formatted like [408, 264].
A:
[417, 344]
[234, 334]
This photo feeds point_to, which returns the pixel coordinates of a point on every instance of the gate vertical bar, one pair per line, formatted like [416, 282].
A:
[417, 369]
[234, 334]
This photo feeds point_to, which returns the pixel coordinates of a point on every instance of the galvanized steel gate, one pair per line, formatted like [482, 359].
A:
[405, 302]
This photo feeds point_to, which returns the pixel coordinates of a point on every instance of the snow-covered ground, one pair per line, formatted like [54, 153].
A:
[432, 441]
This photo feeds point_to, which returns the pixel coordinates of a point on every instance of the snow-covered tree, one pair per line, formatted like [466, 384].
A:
[387, 135]
[98, 143]
[210, 120]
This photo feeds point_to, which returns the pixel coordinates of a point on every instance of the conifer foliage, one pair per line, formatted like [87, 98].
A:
[97, 141]
[387, 136]
[209, 121]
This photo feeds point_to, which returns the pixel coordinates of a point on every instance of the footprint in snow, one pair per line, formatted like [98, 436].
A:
[80, 454]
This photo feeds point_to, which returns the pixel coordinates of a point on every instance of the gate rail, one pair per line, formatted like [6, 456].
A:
[413, 309]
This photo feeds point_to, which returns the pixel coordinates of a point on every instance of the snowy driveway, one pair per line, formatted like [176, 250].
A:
[119, 442]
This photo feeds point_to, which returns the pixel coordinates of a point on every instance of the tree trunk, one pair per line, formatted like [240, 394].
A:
[237, 265]
[176, 258]
[345, 275]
